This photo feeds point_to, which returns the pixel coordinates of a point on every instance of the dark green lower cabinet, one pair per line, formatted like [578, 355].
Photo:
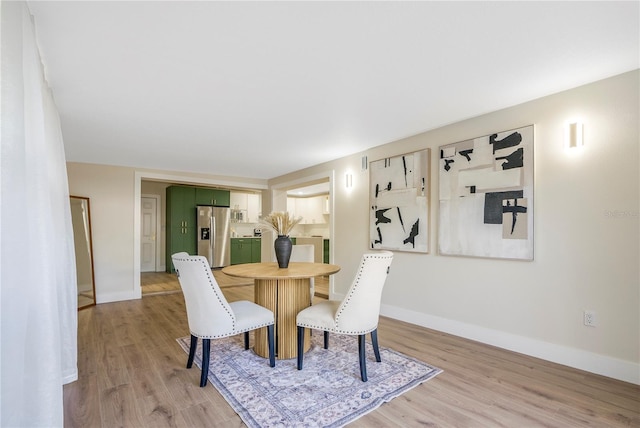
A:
[325, 257]
[256, 250]
[245, 250]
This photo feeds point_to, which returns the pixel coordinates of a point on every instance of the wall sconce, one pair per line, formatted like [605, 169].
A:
[573, 135]
[349, 180]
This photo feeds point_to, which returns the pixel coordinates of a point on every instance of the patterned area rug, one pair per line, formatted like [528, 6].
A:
[327, 392]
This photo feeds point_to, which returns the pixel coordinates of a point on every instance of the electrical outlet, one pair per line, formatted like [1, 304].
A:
[590, 318]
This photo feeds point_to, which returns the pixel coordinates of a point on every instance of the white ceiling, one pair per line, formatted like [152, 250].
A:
[311, 190]
[260, 89]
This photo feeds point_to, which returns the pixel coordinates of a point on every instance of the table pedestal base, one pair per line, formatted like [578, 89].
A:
[285, 297]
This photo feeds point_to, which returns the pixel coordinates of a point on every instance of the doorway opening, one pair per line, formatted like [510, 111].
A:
[312, 199]
[153, 278]
[150, 272]
[149, 233]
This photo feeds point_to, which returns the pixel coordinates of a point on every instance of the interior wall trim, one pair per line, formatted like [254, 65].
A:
[117, 297]
[615, 368]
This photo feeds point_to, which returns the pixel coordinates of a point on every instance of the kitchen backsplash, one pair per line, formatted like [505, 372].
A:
[246, 229]
[311, 230]
[243, 229]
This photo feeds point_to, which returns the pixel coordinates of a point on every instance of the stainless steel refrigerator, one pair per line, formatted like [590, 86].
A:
[214, 235]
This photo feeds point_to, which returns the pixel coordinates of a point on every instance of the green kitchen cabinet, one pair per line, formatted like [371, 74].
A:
[325, 257]
[245, 250]
[215, 197]
[256, 250]
[181, 222]
[180, 239]
[240, 250]
[181, 206]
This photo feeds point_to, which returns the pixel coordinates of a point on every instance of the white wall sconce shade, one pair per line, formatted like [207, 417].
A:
[573, 135]
[348, 181]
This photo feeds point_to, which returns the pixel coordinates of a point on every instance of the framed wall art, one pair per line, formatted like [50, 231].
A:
[486, 196]
[399, 202]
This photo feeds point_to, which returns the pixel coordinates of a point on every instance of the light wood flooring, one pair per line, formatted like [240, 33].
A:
[132, 374]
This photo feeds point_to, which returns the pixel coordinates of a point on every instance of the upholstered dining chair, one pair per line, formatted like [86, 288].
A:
[357, 314]
[304, 253]
[209, 314]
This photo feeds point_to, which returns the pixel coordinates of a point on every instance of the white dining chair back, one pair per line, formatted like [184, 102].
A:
[208, 311]
[359, 311]
[357, 314]
[304, 253]
[210, 315]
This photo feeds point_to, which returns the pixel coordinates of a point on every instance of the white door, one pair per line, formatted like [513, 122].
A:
[148, 235]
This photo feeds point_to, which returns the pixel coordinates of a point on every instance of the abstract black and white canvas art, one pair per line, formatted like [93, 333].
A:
[399, 202]
[486, 196]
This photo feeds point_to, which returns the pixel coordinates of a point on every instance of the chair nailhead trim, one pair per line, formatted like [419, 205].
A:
[331, 330]
[226, 306]
[359, 276]
[230, 334]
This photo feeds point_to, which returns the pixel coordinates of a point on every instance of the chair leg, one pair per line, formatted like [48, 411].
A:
[272, 347]
[300, 346]
[326, 340]
[206, 352]
[362, 357]
[311, 294]
[374, 342]
[192, 351]
[246, 340]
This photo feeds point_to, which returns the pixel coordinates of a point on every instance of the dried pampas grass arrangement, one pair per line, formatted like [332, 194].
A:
[280, 222]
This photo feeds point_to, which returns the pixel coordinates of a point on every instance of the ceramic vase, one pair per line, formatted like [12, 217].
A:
[282, 246]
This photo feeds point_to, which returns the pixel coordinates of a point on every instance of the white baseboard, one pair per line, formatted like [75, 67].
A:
[118, 296]
[626, 371]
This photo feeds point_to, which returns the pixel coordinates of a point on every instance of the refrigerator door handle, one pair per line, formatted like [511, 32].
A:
[212, 221]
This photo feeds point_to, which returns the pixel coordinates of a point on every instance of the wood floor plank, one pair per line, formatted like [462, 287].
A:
[159, 411]
[87, 348]
[132, 373]
[119, 407]
[208, 415]
[112, 370]
[85, 412]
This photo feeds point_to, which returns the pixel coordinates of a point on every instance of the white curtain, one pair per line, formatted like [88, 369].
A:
[38, 333]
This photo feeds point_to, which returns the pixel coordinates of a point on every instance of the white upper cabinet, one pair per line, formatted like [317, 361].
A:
[245, 207]
[254, 207]
[313, 210]
[292, 206]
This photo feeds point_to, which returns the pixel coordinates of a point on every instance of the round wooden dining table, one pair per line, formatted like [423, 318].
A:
[285, 291]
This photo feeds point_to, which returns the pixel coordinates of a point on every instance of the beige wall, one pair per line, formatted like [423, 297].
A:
[110, 190]
[585, 256]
